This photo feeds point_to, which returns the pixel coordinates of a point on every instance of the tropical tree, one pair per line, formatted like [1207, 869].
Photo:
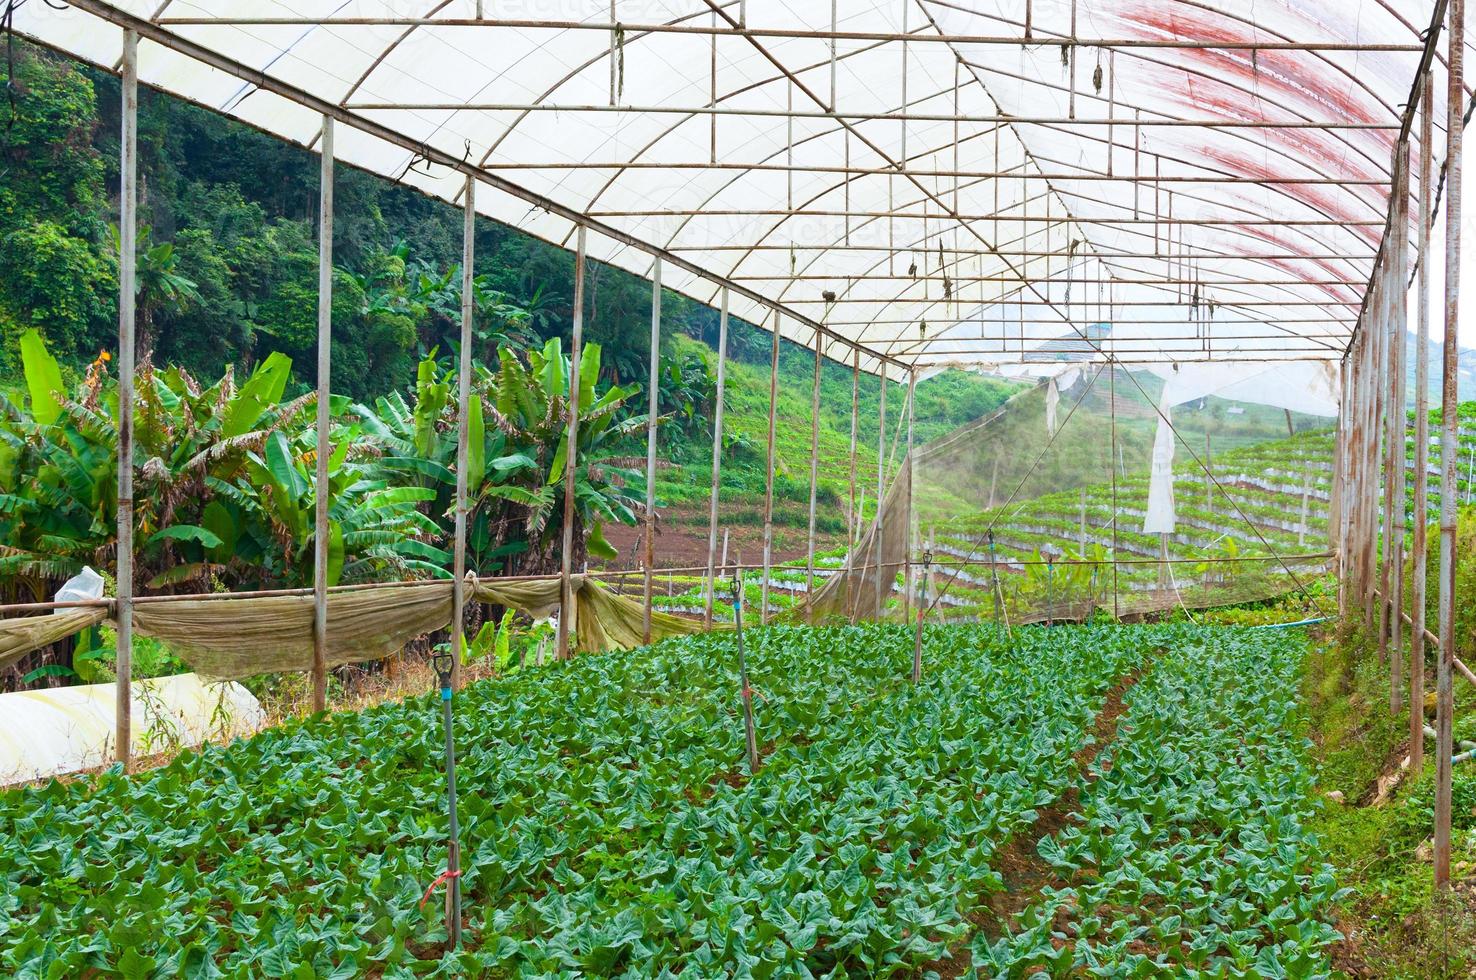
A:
[517, 436]
[529, 405]
[161, 287]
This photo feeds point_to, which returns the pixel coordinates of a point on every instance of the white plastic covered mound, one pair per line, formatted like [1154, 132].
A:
[52, 732]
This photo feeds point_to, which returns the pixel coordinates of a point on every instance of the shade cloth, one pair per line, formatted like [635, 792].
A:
[235, 638]
[19, 637]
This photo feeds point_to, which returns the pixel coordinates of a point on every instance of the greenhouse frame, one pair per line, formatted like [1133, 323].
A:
[1237, 203]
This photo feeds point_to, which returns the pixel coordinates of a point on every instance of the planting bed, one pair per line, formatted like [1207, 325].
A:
[610, 826]
[1191, 854]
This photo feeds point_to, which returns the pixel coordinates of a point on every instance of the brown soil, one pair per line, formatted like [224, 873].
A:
[681, 541]
[1024, 871]
[1347, 954]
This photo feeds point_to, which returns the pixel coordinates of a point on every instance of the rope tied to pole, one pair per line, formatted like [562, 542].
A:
[445, 877]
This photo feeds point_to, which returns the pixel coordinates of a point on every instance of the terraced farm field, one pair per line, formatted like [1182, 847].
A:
[1254, 506]
[1123, 798]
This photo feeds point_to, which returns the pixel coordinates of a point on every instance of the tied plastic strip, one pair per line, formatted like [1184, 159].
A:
[441, 879]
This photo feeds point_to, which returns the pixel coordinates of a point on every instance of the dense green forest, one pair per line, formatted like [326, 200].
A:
[227, 327]
[228, 261]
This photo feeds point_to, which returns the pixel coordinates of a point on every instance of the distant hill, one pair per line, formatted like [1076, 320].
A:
[1465, 360]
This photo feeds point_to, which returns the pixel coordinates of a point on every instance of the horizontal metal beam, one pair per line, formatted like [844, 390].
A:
[1010, 174]
[1199, 347]
[1208, 258]
[1068, 344]
[1063, 279]
[998, 118]
[966, 359]
[1080, 220]
[1134, 304]
[270, 83]
[1116, 321]
[750, 31]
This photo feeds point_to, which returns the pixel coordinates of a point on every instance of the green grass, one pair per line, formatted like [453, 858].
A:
[1382, 851]
[944, 402]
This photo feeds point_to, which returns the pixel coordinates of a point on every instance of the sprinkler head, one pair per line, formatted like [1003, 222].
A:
[441, 663]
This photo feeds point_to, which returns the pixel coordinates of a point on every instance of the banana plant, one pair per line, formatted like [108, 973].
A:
[528, 404]
[373, 526]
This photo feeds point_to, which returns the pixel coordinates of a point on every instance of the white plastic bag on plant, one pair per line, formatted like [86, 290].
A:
[86, 584]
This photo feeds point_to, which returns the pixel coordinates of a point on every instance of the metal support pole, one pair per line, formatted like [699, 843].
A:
[463, 429]
[1364, 497]
[1337, 509]
[922, 611]
[1081, 540]
[1352, 472]
[878, 533]
[1050, 590]
[1420, 545]
[717, 459]
[750, 737]
[814, 467]
[994, 581]
[1362, 493]
[1112, 465]
[1398, 341]
[769, 477]
[322, 490]
[1449, 447]
[854, 531]
[127, 269]
[853, 522]
[652, 410]
[1377, 386]
[911, 511]
[1393, 297]
[571, 454]
[1346, 483]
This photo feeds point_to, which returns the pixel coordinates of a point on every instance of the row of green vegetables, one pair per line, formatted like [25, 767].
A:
[1192, 855]
[610, 827]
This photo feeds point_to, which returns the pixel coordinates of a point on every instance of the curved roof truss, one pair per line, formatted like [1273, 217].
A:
[914, 183]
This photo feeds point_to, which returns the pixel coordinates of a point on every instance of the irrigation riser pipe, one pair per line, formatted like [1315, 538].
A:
[745, 692]
[443, 664]
[922, 611]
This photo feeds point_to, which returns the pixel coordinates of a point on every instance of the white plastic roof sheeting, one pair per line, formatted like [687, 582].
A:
[780, 161]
